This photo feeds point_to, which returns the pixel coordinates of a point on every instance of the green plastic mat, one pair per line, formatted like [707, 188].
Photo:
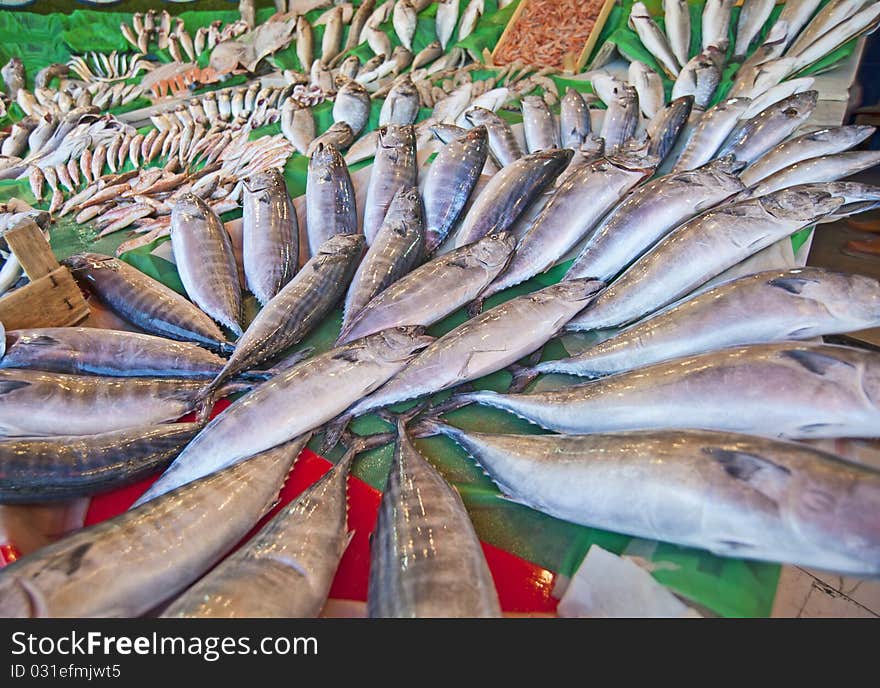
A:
[729, 587]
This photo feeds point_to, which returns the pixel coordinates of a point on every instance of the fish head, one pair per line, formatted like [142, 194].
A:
[557, 158]
[861, 300]
[266, 180]
[397, 135]
[341, 247]
[479, 115]
[90, 261]
[17, 600]
[799, 105]
[803, 204]
[493, 250]
[325, 156]
[581, 289]
[397, 344]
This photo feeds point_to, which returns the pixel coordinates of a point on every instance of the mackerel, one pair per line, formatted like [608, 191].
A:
[394, 168]
[330, 198]
[710, 133]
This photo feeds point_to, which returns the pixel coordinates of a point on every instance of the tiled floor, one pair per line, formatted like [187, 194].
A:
[813, 594]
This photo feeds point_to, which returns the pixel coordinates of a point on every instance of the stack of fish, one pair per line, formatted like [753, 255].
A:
[682, 430]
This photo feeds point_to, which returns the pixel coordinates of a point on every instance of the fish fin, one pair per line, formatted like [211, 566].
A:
[802, 332]
[7, 386]
[333, 432]
[814, 428]
[513, 500]
[475, 307]
[815, 361]
[762, 474]
[42, 340]
[346, 355]
[793, 285]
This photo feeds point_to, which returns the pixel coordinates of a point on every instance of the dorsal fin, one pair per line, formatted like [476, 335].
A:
[815, 361]
[761, 474]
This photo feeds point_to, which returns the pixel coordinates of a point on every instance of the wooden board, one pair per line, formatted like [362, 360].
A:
[29, 245]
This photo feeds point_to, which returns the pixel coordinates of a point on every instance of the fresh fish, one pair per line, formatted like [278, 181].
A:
[649, 213]
[330, 198]
[716, 23]
[72, 466]
[279, 572]
[606, 85]
[752, 16]
[509, 192]
[649, 88]
[425, 558]
[450, 182]
[332, 38]
[864, 21]
[796, 15]
[539, 125]
[825, 168]
[292, 403]
[460, 275]
[304, 43]
[270, 234]
[485, 344]
[666, 127]
[339, 135]
[350, 67]
[94, 351]
[777, 93]
[300, 305]
[710, 133]
[378, 41]
[800, 303]
[576, 206]
[698, 78]
[37, 403]
[205, 260]
[653, 38]
[144, 302]
[397, 248]
[574, 119]
[298, 125]
[448, 109]
[752, 138]
[678, 28]
[127, 565]
[352, 106]
[404, 20]
[447, 17]
[13, 77]
[829, 17]
[702, 248]
[756, 81]
[470, 18]
[427, 55]
[394, 168]
[771, 49]
[503, 146]
[826, 141]
[621, 119]
[791, 389]
[402, 104]
[358, 22]
[734, 495]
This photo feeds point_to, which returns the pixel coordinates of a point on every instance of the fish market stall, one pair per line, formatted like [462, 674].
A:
[352, 253]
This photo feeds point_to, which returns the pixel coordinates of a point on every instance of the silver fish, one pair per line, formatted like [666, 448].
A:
[800, 303]
[665, 129]
[402, 104]
[394, 168]
[677, 23]
[358, 22]
[144, 302]
[470, 18]
[397, 248]
[702, 248]
[716, 23]
[293, 402]
[94, 351]
[509, 192]
[698, 78]
[352, 106]
[425, 558]
[772, 48]
[404, 20]
[378, 41]
[752, 138]
[129, 564]
[339, 135]
[37, 470]
[485, 344]
[752, 16]
[13, 77]
[734, 495]
[829, 17]
[300, 305]
[298, 125]
[450, 182]
[330, 198]
[539, 125]
[304, 43]
[826, 141]
[332, 38]
[653, 38]
[447, 17]
[710, 133]
[649, 87]
[427, 55]
[864, 21]
[574, 119]
[350, 66]
[792, 389]
[503, 146]
[776, 93]
[279, 572]
[796, 15]
[576, 206]
[205, 260]
[825, 168]
[621, 118]
[460, 275]
[270, 234]
[649, 213]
